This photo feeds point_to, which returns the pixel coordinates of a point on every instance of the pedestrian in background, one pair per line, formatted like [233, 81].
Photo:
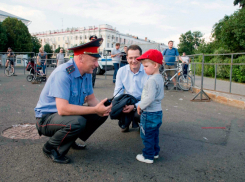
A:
[185, 63]
[60, 57]
[116, 56]
[43, 56]
[91, 38]
[124, 57]
[170, 56]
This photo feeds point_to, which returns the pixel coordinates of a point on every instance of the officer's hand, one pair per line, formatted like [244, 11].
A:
[128, 108]
[101, 109]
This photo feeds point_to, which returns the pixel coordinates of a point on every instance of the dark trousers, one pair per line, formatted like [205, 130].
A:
[116, 67]
[94, 76]
[64, 130]
[185, 69]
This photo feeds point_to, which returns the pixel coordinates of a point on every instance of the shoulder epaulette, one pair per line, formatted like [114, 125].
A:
[70, 69]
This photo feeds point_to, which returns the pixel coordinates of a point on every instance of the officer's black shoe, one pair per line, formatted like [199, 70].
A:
[55, 157]
[78, 146]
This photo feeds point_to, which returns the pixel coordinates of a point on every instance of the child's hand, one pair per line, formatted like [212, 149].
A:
[138, 110]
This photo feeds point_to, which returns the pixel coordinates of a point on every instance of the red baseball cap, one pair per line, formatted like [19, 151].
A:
[153, 55]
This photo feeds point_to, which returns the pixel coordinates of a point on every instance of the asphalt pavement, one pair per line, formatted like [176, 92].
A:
[188, 151]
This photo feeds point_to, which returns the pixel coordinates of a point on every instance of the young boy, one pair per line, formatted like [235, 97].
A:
[150, 107]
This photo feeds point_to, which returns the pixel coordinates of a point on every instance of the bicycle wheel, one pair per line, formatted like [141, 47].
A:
[185, 83]
[8, 72]
[29, 78]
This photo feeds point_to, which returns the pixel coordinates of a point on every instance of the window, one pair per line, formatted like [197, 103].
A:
[111, 45]
[85, 37]
[63, 38]
[18, 61]
[58, 45]
[108, 45]
[108, 37]
[81, 37]
[116, 38]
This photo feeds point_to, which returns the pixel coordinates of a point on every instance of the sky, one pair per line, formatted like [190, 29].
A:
[158, 20]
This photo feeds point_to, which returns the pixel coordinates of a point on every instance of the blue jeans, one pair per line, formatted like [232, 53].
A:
[116, 67]
[44, 67]
[150, 123]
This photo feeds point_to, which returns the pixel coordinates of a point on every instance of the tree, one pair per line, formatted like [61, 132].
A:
[19, 38]
[48, 49]
[188, 41]
[58, 49]
[240, 2]
[3, 38]
[36, 44]
[229, 32]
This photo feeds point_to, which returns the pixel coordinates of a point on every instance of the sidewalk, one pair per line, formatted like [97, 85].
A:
[234, 100]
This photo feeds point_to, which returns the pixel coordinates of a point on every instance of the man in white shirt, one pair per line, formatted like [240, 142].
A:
[131, 78]
[185, 63]
[116, 56]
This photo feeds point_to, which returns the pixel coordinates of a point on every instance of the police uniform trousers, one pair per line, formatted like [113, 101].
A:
[64, 130]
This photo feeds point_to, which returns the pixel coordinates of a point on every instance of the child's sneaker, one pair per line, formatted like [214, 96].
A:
[156, 156]
[141, 158]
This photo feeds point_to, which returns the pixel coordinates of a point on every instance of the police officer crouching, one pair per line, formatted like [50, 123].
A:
[60, 112]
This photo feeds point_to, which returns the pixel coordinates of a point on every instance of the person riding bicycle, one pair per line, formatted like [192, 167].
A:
[185, 63]
[169, 59]
[10, 59]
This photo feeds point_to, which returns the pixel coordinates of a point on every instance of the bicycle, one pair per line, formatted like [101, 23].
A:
[185, 82]
[9, 71]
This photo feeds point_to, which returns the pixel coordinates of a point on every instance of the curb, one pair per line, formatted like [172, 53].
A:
[233, 100]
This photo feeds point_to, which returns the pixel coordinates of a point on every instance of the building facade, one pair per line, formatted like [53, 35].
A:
[75, 36]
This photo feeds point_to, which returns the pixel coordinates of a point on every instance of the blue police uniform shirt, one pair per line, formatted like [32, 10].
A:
[169, 55]
[67, 83]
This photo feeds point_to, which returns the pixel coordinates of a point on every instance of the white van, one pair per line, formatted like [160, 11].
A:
[105, 62]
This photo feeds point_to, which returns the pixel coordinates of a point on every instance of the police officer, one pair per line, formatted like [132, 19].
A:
[91, 38]
[60, 113]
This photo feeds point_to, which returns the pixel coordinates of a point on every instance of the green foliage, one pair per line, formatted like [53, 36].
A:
[188, 41]
[19, 38]
[36, 44]
[3, 38]
[223, 71]
[240, 2]
[48, 49]
[58, 49]
[229, 32]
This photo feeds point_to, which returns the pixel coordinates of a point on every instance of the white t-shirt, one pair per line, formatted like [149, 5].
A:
[185, 59]
[118, 57]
